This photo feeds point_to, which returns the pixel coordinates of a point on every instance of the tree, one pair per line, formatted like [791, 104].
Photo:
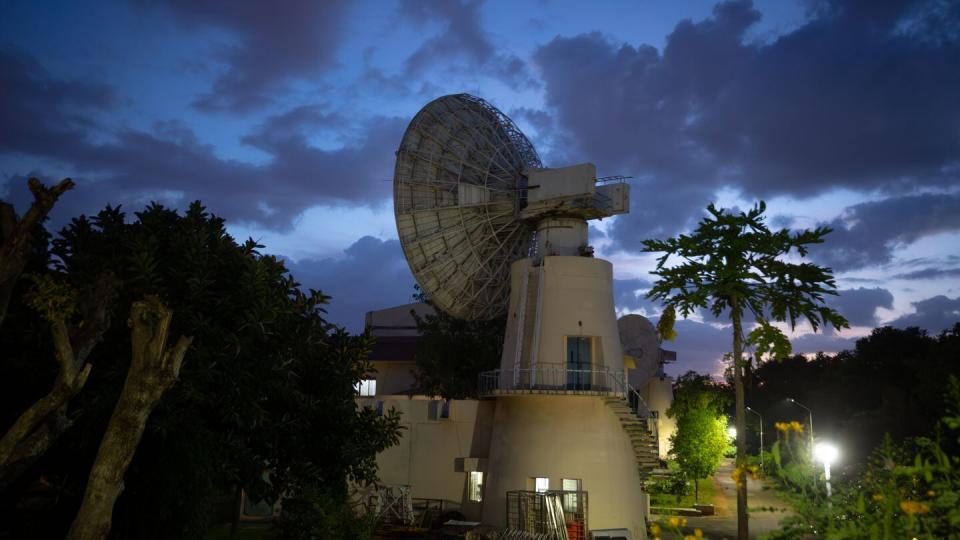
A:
[269, 384]
[153, 369]
[452, 352]
[38, 427]
[733, 265]
[17, 234]
[700, 440]
[699, 443]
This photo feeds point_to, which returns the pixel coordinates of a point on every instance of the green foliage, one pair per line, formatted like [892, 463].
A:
[769, 341]
[269, 384]
[911, 490]
[452, 352]
[732, 263]
[52, 298]
[696, 391]
[319, 514]
[701, 439]
[892, 382]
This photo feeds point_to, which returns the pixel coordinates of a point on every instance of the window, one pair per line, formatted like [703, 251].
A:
[571, 501]
[367, 387]
[541, 485]
[475, 487]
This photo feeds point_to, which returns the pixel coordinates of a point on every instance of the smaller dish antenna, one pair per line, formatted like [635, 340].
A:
[639, 339]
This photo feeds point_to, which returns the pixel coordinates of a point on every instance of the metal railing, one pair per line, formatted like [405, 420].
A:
[555, 378]
[551, 378]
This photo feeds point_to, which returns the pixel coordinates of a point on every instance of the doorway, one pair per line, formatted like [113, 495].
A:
[579, 362]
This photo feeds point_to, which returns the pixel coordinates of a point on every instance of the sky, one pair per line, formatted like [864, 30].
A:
[284, 118]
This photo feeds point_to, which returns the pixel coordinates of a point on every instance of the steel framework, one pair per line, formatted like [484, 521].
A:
[458, 189]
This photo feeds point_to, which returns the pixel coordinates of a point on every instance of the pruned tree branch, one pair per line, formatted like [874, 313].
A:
[41, 425]
[154, 368]
[16, 234]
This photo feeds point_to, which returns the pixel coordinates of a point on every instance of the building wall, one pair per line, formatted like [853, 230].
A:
[659, 396]
[577, 300]
[565, 436]
[393, 376]
[426, 458]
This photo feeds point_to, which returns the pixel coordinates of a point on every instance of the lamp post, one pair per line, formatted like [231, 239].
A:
[797, 403]
[827, 454]
[761, 434]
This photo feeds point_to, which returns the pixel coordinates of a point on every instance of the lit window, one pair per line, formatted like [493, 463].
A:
[571, 501]
[541, 485]
[475, 489]
[367, 387]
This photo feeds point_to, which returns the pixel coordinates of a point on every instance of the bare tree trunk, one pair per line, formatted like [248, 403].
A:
[153, 369]
[16, 234]
[69, 381]
[741, 424]
[41, 424]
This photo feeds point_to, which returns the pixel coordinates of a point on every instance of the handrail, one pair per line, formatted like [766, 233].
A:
[552, 378]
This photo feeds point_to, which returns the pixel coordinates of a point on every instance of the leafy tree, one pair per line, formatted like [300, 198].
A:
[269, 384]
[733, 265]
[699, 443]
[700, 440]
[452, 352]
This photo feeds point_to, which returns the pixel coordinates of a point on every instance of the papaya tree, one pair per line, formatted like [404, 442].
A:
[735, 267]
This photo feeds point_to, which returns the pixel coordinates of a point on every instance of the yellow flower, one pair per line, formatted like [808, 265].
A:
[654, 529]
[674, 521]
[689, 537]
[912, 508]
[683, 522]
[698, 533]
[931, 493]
[782, 426]
[796, 426]
[877, 497]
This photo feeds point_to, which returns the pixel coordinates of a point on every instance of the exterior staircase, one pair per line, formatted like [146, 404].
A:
[644, 441]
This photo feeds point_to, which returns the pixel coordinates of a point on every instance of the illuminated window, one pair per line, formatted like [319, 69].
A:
[541, 484]
[475, 489]
[367, 387]
[571, 501]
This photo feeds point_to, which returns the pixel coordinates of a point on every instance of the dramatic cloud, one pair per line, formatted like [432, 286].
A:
[870, 233]
[462, 37]
[807, 112]
[274, 45]
[860, 305]
[371, 275]
[40, 111]
[170, 164]
[930, 273]
[629, 295]
[933, 314]
[700, 347]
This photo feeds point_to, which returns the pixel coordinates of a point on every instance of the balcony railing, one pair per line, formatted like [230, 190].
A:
[558, 379]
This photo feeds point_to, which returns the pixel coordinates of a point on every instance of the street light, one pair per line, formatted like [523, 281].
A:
[732, 432]
[761, 434]
[797, 403]
[826, 453]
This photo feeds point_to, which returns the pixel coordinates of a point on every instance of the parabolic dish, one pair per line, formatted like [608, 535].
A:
[456, 195]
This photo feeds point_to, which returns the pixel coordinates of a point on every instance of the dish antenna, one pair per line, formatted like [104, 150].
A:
[471, 197]
[639, 339]
[458, 188]
[487, 230]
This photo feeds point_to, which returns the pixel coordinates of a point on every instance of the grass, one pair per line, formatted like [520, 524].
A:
[707, 491]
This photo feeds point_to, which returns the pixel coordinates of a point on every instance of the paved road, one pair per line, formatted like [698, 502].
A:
[760, 499]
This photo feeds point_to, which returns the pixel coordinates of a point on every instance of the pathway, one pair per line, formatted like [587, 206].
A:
[760, 499]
